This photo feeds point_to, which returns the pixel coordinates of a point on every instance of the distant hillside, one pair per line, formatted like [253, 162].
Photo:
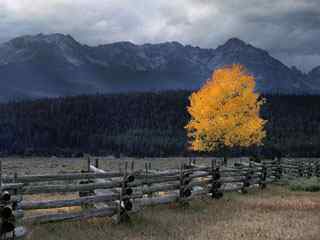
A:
[142, 124]
[314, 78]
[57, 65]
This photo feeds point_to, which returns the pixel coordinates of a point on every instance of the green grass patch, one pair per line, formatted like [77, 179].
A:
[305, 184]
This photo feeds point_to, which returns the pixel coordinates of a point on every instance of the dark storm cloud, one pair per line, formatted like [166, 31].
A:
[289, 29]
[298, 29]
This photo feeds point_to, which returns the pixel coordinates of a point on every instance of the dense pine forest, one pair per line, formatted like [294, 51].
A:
[143, 124]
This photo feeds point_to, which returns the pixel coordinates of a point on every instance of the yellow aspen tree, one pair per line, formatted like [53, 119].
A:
[225, 112]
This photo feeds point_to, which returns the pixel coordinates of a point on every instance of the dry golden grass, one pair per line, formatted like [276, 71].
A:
[273, 214]
[51, 165]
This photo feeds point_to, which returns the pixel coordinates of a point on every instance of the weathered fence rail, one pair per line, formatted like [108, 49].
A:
[101, 193]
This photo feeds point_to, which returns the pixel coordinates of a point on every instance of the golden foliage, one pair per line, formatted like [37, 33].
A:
[225, 112]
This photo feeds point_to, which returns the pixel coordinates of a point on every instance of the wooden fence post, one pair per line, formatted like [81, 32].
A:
[317, 170]
[215, 181]
[96, 163]
[125, 203]
[15, 177]
[146, 171]
[147, 177]
[313, 169]
[309, 170]
[279, 169]
[8, 221]
[8, 229]
[300, 169]
[246, 181]
[263, 176]
[120, 208]
[181, 184]
[132, 166]
[0, 174]
[88, 163]
[86, 181]
[149, 166]
[184, 188]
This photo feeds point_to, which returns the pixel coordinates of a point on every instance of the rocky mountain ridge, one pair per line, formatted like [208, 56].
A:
[57, 65]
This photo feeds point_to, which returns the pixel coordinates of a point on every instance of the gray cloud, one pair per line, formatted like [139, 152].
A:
[288, 29]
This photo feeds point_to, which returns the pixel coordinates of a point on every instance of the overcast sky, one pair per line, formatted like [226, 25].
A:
[288, 29]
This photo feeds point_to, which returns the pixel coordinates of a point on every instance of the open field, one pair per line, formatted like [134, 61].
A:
[275, 213]
[272, 214]
[43, 165]
[51, 165]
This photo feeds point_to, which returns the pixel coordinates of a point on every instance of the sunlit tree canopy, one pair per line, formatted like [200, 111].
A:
[225, 112]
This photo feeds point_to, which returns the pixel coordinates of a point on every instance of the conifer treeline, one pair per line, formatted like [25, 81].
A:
[142, 124]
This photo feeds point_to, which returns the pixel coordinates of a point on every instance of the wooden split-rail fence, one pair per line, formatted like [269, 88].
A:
[101, 193]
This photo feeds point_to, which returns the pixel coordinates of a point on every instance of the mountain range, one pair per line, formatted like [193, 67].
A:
[57, 65]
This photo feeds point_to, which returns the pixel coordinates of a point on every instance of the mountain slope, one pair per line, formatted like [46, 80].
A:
[57, 65]
[314, 78]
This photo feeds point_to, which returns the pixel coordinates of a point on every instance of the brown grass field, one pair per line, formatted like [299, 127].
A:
[272, 214]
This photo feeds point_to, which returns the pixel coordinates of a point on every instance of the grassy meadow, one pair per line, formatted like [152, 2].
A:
[272, 214]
